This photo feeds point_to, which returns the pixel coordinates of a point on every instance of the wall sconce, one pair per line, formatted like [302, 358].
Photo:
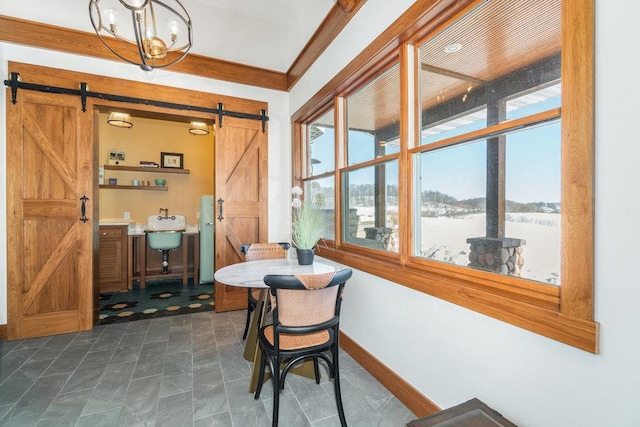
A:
[121, 120]
[198, 128]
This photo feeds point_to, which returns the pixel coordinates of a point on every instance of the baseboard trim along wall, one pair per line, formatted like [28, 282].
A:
[3, 332]
[405, 392]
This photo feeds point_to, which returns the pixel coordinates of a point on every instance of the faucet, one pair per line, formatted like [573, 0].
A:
[166, 214]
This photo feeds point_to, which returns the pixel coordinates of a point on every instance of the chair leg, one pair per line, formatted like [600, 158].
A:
[336, 388]
[263, 358]
[276, 391]
[316, 370]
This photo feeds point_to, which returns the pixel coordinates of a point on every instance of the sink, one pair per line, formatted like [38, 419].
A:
[164, 240]
[172, 223]
[165, 233]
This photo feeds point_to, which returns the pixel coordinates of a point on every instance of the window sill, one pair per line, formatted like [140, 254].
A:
[522, 306]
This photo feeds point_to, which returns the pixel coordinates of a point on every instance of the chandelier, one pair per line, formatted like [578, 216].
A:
[148, 33]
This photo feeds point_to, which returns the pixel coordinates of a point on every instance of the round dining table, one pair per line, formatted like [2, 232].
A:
[250, 274]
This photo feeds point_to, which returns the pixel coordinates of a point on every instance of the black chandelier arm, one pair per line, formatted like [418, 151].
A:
[15, 82]
[137, 25]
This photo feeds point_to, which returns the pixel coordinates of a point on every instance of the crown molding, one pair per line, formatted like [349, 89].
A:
[30, 33]
[51, 37]
[335, 21]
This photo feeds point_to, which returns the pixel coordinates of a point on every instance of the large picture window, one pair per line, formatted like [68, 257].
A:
[465, 160]
[490, 190]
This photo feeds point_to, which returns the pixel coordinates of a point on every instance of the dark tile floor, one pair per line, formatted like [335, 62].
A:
[159, 299]
[184, 370]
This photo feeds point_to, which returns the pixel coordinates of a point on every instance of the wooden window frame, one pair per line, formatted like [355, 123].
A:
[565, 314]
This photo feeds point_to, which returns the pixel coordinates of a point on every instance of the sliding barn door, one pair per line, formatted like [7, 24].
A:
[240, 199]
[49, 180]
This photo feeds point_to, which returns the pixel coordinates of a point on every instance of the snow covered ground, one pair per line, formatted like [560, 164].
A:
[445, 239]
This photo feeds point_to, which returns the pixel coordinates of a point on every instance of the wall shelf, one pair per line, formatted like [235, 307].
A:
[143, 169]
[135, 187]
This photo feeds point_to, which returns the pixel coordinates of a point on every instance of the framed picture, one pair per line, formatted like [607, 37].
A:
[171, 160]
[116, 157]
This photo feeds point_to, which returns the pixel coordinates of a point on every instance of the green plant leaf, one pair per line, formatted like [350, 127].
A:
[307, 227]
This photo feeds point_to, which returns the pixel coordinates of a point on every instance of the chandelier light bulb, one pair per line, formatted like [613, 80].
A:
[173, 25]
[111, 16]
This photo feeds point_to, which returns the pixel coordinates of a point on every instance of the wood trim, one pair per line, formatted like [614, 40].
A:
[338, 18]
[347, 5]
[3, 332]
[548, 322]
[296, 153]
[61, 39]
[405, 392]
[578, 159]
[30, 33]
[489, 131]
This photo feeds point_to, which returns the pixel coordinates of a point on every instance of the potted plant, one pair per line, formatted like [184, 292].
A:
[306, 227]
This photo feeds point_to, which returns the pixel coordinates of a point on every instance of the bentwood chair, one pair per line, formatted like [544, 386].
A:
[306, 319]
[254, 252]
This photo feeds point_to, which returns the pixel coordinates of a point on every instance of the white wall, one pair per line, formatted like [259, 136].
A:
[452, 354]
[279, 129]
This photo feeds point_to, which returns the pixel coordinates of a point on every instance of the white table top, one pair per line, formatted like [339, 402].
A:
[250, 274]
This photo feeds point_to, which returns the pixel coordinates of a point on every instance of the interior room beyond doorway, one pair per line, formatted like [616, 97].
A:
[154, 168]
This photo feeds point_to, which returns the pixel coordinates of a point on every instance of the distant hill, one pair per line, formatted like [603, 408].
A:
[435, 203]
[445, 204]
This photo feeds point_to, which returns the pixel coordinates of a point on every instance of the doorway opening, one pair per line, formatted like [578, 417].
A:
[155, 168]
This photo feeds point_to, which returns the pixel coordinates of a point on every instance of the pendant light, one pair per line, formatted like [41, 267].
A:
[122, 120]
[198, 128]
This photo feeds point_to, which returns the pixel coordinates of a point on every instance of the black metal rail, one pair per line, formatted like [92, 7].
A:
[15, 83]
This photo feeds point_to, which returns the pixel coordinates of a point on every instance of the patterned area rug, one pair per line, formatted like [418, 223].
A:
[157, 299]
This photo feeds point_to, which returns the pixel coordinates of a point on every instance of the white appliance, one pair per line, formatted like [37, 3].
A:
[206, 239]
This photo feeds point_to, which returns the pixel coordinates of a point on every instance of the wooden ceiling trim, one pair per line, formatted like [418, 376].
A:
[331, 26]
[50, 37]
[347, 5]
[30, 33]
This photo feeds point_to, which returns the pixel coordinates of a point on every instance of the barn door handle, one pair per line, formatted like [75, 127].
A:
[83, 209]
[220, 202]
